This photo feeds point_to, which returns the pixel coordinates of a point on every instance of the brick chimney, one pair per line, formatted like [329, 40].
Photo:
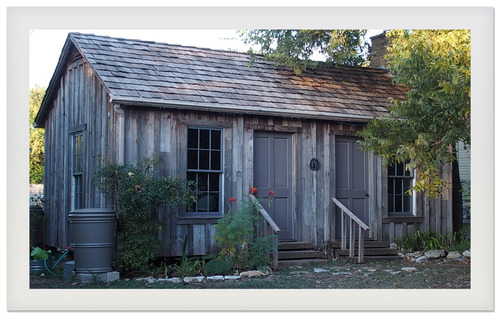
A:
[378, 50]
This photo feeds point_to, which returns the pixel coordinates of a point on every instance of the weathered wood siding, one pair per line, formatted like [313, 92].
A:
[431, 215]
[127, 134]
[81, 104]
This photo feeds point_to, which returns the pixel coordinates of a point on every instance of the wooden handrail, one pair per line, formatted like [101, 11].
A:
[264, 213]
[350, 214]
[270, 225]
[351, 228]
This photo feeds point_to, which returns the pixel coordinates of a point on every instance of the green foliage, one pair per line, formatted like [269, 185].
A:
[259, 251]
[420, 241]
[234, 232]
[235, 228]
[188, 266]
[218, 266]
[137, 192]
[425, 241]
[435, 114]
[294, 48]
[36, 136]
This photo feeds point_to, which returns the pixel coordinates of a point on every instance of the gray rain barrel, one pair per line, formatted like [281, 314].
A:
[92, 237]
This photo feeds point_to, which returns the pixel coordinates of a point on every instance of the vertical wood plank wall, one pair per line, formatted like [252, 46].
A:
[81, 103]
[146, 132]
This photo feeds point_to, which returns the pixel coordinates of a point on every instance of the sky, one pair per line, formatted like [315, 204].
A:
[46, 45]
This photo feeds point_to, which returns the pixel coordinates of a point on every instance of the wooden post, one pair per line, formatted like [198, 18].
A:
[275, 252]
[343, 237]
[352, 238]
[361, 245]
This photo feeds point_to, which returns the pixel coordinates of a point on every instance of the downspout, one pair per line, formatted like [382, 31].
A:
[120, 133]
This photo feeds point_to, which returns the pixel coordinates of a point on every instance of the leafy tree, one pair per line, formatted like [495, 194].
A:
[294, 48]
[36, 140]
[424, 128]
[435, 114]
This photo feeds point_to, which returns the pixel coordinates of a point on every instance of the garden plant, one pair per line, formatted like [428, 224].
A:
[137, 193]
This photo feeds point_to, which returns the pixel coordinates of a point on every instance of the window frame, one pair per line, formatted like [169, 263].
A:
[400, 174]
[77, 169]
[209, 171]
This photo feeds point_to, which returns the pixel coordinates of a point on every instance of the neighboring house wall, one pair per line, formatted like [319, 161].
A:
[463, 156]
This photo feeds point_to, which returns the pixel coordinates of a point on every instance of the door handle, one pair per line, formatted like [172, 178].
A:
[367, 195]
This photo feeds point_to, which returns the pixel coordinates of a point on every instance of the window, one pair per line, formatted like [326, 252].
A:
[204, 167]
[400, 183]
[77, 171]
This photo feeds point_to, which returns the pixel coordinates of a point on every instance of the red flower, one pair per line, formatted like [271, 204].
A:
[253, 191]
[271, 194]
[232, 200]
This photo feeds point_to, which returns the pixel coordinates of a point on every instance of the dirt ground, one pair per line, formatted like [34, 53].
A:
[381, 274]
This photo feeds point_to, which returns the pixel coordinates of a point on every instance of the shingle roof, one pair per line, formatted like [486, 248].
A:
[138, 72]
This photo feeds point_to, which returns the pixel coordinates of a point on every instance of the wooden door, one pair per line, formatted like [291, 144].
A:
[273, 172]
[351, 180]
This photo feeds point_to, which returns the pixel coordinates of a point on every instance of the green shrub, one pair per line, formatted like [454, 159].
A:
[259, 251]
[234, 232]
[137, 192]
[234, 229]
[420, 241]
[188, 267]
[218, 266]
[424, 241]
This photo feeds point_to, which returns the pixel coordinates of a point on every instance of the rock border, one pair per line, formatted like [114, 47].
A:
[418, 257]
[200, 279]
[422, 257]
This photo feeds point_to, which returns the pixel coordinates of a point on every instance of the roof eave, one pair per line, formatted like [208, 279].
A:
[237, 109]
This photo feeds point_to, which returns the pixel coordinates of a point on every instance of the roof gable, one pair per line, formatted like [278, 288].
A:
[156, 74]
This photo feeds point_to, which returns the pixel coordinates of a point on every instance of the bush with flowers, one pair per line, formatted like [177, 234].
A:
[137, 192]
[241, 249]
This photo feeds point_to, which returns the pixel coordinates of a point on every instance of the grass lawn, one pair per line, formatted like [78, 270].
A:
[379, 274]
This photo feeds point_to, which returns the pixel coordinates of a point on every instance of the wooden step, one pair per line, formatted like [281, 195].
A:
[287, 246]
[368, 244]
[300, 254]
[371, 252]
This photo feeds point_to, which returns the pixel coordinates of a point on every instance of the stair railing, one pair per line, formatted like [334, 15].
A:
[270, 228]
[348, 223]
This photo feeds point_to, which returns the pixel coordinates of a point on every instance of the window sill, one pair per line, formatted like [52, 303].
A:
[402, 219]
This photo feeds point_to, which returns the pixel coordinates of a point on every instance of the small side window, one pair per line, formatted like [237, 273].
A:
[400, 184]
[77, 170]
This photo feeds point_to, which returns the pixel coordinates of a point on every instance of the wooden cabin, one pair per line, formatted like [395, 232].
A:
[212, 118]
